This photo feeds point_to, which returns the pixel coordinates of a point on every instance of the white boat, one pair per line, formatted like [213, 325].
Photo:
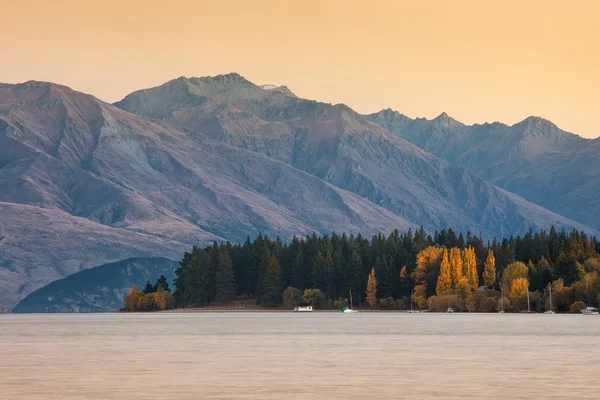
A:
[449, 310]
[590, 311]
[349, 310]
[303, 309]
[550, 310]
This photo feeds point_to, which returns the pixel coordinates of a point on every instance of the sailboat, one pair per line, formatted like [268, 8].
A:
[528, 308]
[411, 310]
[502, 302]
[345, 309]
[550, 311]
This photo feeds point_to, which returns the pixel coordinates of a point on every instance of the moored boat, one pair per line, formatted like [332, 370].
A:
[589, 311]
[449, 311]
[347, 309]
[528, 306]
[550, 311]
[303, 309]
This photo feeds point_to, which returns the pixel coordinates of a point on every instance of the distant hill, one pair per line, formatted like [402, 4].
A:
[533, 158]
[98, 289]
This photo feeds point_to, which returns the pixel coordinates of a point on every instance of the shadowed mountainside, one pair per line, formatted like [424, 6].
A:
[98, 289]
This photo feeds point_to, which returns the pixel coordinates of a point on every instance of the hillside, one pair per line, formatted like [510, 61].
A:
[98, 289]
[143, 187]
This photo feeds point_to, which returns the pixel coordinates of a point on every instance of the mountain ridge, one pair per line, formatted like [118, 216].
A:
[532, 158]
[306, 125]
[213, 159]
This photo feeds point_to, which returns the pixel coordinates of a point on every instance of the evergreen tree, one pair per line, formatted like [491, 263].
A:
[489, 270]
[271, 292]
[149, 288]
[224, 277]
[162, 282]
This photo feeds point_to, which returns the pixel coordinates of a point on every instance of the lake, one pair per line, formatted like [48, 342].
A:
[252, 355]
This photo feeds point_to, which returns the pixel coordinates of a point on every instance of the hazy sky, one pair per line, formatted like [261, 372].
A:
[477, 60]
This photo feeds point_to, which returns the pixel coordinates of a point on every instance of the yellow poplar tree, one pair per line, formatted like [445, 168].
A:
[518, 288]
[456, 265]
[132, 299]
[470, 267]
[420, 295]
[444, 282]
[426, 259]
[403, 273]
[463, 288]
[160, 299]
[372, 289]
[489, 269]
[511, 272]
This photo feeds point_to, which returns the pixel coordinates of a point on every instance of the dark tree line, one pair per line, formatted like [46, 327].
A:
[335, 264]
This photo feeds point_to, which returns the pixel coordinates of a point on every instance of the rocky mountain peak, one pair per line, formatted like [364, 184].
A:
[445, 120]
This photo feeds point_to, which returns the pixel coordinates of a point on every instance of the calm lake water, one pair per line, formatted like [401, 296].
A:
[299, 356]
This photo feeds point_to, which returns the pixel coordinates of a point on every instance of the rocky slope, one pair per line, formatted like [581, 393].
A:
[335, 144]
[98, 289]
[534, 158]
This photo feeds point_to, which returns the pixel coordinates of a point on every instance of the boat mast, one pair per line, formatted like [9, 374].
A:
[502, 301]
[528, 310]
[550, 287]
[351, 307]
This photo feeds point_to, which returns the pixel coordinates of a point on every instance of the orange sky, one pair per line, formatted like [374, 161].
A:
[477, 60]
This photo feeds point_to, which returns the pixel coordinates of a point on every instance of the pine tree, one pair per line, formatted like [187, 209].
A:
[224, 277]
[162, 281]
[489, 270]
[271, 290]
[371, 294]
[149, 288]
[456, 265]
[444, 282]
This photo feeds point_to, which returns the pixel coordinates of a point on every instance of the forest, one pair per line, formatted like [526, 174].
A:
[388, 272]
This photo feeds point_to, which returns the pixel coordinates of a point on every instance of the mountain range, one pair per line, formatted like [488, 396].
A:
[84, 182]
[533, 158]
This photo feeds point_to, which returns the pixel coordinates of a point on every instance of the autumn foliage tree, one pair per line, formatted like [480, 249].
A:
[371, 293]
[134, 294]
[444, 283]
[427, 270]
[456, 266]
[489, 269]
[470, 267]
[511, 272]
[518, 288]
